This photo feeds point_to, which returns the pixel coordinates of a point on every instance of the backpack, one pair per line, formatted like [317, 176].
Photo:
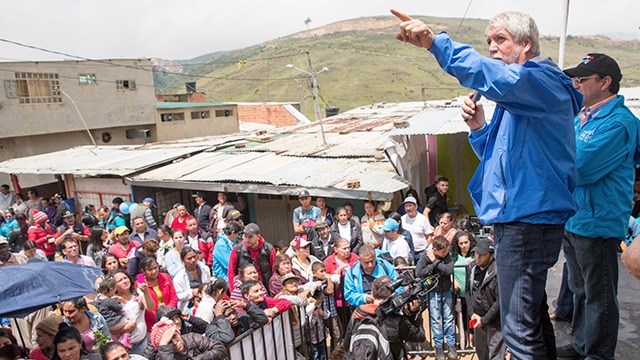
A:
[369, 340]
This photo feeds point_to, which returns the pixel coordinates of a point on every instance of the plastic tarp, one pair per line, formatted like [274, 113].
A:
[33, 286]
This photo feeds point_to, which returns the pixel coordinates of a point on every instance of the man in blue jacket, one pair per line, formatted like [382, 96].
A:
[358, 280]
[607, 147]
[527, 172]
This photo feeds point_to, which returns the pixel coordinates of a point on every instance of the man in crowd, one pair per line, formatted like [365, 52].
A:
[199, 239]
[482, 285]
[144, 210]
[70, 250]
[418, 225]
[6, 197]
[61, 207]
[123, 247]
[47, 207]
[607, 141]
[140, 230]
[71, 229]
[201, 212]
[526, 177]
[322, 245]
[252, 249]
[216, 215]
[359, 279]
[8, 258]
[437, 201]
[305, 215]
[393, 243]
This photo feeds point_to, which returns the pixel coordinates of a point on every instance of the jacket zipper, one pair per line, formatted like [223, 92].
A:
[504, 183]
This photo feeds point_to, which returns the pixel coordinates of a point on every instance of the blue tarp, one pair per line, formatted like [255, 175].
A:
[30, 287]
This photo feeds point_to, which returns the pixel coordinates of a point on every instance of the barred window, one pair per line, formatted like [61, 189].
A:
[35, 88]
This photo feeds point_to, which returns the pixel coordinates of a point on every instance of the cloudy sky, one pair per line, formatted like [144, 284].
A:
[185, 29]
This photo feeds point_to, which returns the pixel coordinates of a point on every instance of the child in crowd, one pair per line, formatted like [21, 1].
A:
[439, 261]
[319, 272]
[110, 307]
[317, 329]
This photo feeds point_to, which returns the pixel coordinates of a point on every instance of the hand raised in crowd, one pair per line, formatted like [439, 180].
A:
[413, 31]
[473, 114]
[143, 287]
[167, 336]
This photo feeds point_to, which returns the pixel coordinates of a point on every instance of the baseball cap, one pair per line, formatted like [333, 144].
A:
[57, 195]
[150, 201]
[251, 229]
[410, 199]
[321, 224]
[288, 276]
[120, 230]
[233, 215]
[303, 194]
[199, 194]
[68, 213]
[3, 240]
[301, 241]
[484, 246]
[390, 225]
[595, 63]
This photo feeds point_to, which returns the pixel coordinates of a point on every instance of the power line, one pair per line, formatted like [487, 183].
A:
[463, 17]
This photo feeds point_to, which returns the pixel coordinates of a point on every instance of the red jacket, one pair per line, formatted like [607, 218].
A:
[331, 265]
[177, 225]
[169, 296]
[38, 235]
[281, 304]
[254, 253]
[205, 245]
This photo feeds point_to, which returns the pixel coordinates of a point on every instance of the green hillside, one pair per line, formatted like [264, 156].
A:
[367, 65]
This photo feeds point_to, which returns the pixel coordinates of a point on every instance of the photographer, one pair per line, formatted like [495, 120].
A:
[395, 328]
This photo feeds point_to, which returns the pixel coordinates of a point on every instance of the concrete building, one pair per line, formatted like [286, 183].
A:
[182, 120]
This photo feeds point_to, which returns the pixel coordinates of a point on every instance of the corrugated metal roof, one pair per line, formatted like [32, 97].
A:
[188, 105]
[95, 161]
[327, 176]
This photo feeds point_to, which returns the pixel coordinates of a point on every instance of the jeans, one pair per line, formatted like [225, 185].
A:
[524, 254]
[319, 350]
[441, 315]
[593, 274]
[564, 310]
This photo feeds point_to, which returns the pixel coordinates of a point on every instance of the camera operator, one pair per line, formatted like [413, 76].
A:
[482, 292]
[395, 327]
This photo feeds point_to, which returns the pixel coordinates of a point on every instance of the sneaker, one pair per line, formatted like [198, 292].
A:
[568, 352]
[452, 352]
[440, 354]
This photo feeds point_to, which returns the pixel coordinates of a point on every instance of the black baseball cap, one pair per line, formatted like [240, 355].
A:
[484, 246]
[304, 194]
[595, 63]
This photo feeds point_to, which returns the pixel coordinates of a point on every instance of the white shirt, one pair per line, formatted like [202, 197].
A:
[345, 230]
[398, 247]
[419, 228]
[192, 241]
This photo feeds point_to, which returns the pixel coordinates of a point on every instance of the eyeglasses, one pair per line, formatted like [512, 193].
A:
[579, 80]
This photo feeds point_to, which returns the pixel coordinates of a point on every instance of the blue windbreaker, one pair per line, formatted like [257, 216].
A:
[527, 152]
[607, 147]
[353, 289]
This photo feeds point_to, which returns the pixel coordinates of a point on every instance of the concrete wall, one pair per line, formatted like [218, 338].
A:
[189, 128]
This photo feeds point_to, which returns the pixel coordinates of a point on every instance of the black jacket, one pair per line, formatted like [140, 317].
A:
[356, 235]
[196, 347]
[444, 267]
[399, 328]
[220, 328]
[486, 301]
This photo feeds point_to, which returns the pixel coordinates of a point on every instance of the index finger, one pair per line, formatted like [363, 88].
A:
[400, 15]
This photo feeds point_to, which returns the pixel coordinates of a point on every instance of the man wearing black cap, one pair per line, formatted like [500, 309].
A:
[253, 249]
[305, 215]
[482, 285]
[201, 212]
[607, 147]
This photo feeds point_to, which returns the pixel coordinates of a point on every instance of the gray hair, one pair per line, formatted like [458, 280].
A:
[520, 25]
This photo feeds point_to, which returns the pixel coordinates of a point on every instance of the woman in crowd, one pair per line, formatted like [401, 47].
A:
[20, 207]
[346, 228]
[148, 249]
[76, 314]
[188, 279]
[371, 225]
[160, 287]
[301, 260]
[18, 236]
[282, 266]
[246, 272]
[172, 258]
[222, 250]
[327, 213]
[214, 292]
[46, 329]
[445, 228]
[137, 300]
[180, 222]
[9, 223]
[338, 263]
[30, 250]
[98, 244]
[165, 235]
[68, 344]
[109, 265]
[462, 256]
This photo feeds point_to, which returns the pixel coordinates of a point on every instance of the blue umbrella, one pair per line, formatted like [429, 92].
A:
[30, 287]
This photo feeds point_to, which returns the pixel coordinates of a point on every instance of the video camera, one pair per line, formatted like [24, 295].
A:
[418, 290]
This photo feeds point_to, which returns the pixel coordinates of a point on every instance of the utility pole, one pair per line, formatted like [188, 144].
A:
[563, 36]
[316, 105]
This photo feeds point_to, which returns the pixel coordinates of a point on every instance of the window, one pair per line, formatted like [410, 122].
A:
[171, 117]
[87, 79]
[35, 88]
[200, 115]
[125, 84]
[224, 113]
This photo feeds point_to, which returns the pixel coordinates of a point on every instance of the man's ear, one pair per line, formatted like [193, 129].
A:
[606, 82]
[526, 44]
